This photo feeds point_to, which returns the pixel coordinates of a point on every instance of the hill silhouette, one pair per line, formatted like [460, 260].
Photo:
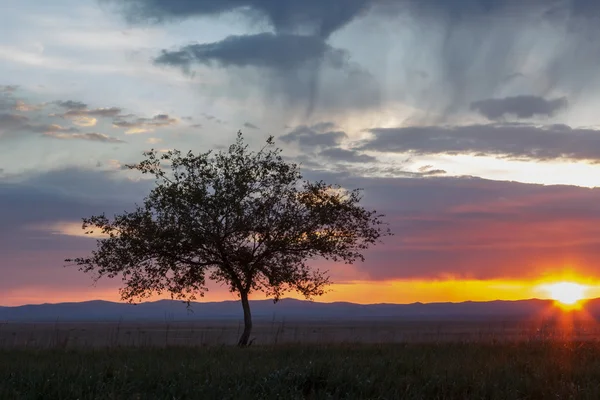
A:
[172, 310]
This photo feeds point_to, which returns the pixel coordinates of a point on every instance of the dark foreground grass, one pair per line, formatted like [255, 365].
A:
[445, 371]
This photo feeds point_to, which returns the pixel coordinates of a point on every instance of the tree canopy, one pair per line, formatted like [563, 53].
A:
[243, 218]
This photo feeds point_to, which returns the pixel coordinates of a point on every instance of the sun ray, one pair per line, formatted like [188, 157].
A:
[568, 295]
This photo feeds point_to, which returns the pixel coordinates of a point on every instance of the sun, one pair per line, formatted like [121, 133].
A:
[566, 293]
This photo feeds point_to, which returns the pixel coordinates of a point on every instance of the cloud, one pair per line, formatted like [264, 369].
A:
[250, 125]
[457, 9]
[48, 128]
[15, 125]
[323, 126]
[84, 121]
[11, 125]
[486, 42]
[445, 227]
[323, 17]
[80, 115]
[519, 106]
[54, 202]
[264, 50]
[315, 17]
[479, 49]
[7, 104]
[478, 229]
[288, 60]
[284, 64]
[26, 119]
[12, 121]
[429, 170]
[352, 156]
[212, 118]
[96, 112]
[143, 125]
[444, 54]
[513, 141]
[22, 106]
[72, 105]
[92, 137]
[313, 136]
[67, 228]
[8, 89]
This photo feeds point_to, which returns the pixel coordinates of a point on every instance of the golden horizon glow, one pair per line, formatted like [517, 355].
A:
[356, 291]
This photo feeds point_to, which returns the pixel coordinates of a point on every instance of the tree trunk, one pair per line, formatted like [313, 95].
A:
[243, 342]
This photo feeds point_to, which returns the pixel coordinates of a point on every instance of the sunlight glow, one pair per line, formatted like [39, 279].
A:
[566, 293]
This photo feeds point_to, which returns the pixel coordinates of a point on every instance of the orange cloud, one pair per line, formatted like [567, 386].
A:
[66, 228]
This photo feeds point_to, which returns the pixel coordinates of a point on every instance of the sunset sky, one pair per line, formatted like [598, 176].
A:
[472, 124]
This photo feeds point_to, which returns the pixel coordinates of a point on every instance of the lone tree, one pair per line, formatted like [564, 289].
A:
[246, 219]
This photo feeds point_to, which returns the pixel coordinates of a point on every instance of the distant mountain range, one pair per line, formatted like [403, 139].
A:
[285, 309]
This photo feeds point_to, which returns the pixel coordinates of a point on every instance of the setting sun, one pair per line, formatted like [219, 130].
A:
[566, 293]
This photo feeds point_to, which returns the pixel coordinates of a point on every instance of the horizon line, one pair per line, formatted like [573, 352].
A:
[289, 298]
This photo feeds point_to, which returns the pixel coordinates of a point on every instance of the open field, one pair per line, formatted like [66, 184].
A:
[536, 370]
[301, 360]
[84, 335]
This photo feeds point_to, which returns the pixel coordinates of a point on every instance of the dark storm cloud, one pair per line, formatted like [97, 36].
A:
[312, 136]
[519, 106]
[461, 10]
[472, 47]
[352, 156]
[92, 137]
[290, 60]
[267, 50]
[323, 17]
[483, 42]
[316, 17]
[514, 141]
[287, 64]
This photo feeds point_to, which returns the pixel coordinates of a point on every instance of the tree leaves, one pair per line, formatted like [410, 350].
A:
[243, 218]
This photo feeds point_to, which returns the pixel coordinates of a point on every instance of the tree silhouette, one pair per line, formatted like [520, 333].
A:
[243, 218]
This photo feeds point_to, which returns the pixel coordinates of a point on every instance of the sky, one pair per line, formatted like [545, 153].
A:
[472, 124]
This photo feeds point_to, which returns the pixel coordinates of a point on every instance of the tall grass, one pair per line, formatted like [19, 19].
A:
[536, 370]
[201, 333]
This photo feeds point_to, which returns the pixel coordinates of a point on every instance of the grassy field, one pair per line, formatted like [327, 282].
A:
[536, 370]
[301, 360]
[201, 333]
